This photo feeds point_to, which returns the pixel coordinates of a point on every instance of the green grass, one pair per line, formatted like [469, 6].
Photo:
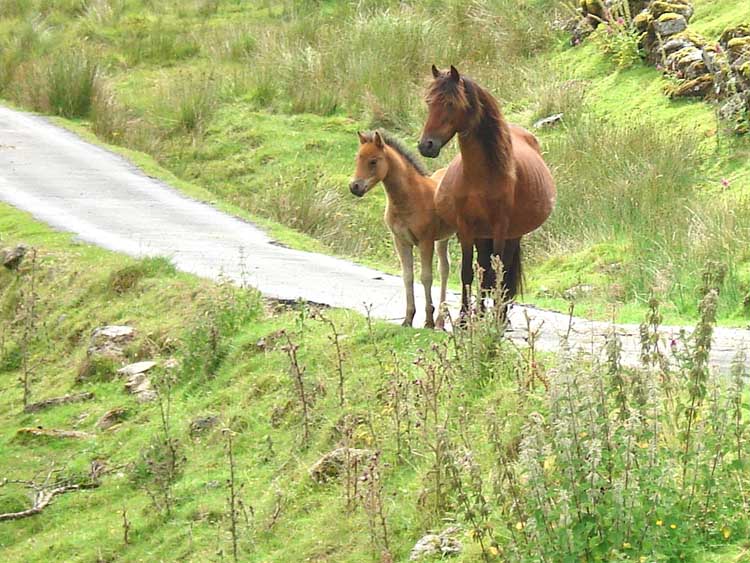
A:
[244, 379]
[256, 108]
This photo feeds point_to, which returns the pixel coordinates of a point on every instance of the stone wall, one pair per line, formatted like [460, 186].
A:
[717, 69]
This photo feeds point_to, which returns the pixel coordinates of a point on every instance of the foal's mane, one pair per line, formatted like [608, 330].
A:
[486, 119]
[399, 147]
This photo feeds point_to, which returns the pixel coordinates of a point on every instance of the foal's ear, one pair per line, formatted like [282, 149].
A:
[435, 71]
[378, 140]
[454, 74]
[362, 138]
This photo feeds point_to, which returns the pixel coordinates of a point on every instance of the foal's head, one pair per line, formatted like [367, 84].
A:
[372, 165]
[452, 103]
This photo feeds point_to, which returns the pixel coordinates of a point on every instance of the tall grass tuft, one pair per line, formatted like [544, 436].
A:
[63, 83]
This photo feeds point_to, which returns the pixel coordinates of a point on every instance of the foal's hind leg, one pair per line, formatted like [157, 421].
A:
[406, 256]
[426, 251]
[444, 264]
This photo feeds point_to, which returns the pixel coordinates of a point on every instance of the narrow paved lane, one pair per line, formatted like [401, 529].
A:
[75, 186]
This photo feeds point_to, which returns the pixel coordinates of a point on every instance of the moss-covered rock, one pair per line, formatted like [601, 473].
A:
[738, 46]
[742, 30]
[642, 20]
[594, 8]
[691, 36]
[659, 8]
[698, 87]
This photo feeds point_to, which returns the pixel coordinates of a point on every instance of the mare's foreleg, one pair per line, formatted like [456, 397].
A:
[406, 257]
[488, 277]
[502, 249]
[426, 251]
[467, 273]
[444, 265]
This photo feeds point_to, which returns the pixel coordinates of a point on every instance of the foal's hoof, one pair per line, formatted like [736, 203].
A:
[429, 323]
[407, 322]
[440, 323]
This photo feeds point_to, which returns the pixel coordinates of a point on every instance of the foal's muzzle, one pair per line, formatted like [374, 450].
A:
[358, 187]
[430, 147]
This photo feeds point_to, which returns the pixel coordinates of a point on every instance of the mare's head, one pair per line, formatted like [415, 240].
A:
[372, 165]
[450, 110]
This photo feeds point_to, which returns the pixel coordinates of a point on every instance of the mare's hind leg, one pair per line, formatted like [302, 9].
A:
[488, 279]
[467, 273]
[444, 264]
[406, 257]
[426, 251]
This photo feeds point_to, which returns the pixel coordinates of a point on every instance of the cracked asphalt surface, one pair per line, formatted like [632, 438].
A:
[105, 200]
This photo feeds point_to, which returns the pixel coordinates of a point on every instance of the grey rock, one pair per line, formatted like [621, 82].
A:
[136, 368]
[548, 121]
[675, 44]
[109, 341]
[443, 544]
[331, 465]
[203, 423]
[139, 385]
[671, 26]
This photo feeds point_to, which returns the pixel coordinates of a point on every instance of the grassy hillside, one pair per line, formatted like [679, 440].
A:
[259, 105]
[534, 458]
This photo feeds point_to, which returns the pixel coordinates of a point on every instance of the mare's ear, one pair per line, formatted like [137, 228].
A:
[454, 74]
[435, 71]
[362, 138]
[378, 140]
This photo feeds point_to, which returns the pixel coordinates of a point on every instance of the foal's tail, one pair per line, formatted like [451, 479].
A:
[513, 278]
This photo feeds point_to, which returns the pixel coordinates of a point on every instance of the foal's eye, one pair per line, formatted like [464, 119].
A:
[373, 162]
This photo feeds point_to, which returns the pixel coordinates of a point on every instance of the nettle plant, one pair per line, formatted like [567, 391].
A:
[623, 464]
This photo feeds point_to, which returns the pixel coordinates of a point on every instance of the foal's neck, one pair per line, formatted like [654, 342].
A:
[401, 181]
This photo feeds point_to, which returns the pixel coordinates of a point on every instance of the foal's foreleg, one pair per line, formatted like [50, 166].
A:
[444, 265]
[426, 251]
[406, 257]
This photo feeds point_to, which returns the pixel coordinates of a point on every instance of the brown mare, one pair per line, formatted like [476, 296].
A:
[409, 212]
[497, 190]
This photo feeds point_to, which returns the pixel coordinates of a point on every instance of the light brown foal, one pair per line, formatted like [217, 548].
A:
[409, 213]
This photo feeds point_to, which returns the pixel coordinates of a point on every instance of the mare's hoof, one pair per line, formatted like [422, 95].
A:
[440, 323]
[429, 324]
[407, 322]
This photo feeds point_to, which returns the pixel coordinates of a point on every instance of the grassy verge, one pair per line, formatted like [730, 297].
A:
[529, 461]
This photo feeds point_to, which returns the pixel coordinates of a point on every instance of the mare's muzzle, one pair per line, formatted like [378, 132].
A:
[430, 147]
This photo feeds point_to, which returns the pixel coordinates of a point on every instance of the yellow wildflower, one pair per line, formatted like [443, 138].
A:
[726, 532]
[659, 522]
[494, 550]
[673, 526]
[626, 545]
[642, 559]
[519, 526]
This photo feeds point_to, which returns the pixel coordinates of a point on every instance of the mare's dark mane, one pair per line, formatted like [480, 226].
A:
[486, 117]
[399, 147]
